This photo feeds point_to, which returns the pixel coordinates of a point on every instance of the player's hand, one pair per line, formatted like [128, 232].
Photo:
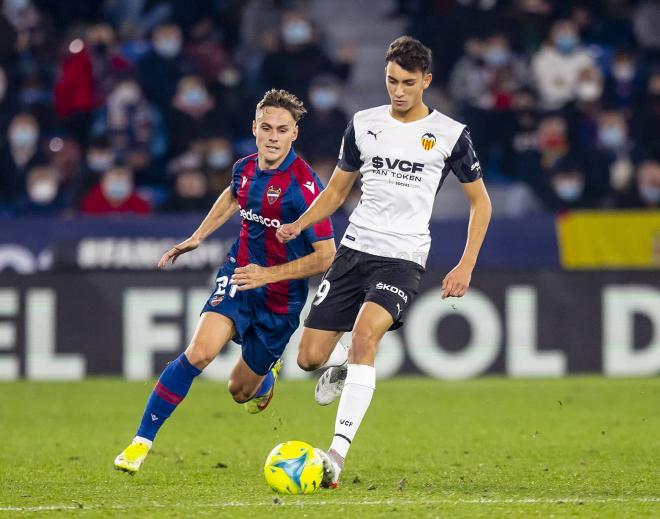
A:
[456, 282]
[288, 232]
[249, 277]
[177, 250]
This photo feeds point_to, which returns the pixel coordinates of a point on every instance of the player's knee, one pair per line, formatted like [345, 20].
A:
[238, 391]
[199, 355]
[309, 360]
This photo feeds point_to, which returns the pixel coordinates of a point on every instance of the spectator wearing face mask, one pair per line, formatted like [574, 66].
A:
[645, 190]
[583, 113]
[115, 194]
[219, 159]
[161, 69]
[190, 194]
[100, 157]
[19, 156]
[135, 130]
[557, 66]
[300, 58]
[325, 123]
[611, 160]
[193, 115]
[566, 187]
[624, 81]
[44, 195]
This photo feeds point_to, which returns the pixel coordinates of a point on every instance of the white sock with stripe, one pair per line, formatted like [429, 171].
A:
[353, 404]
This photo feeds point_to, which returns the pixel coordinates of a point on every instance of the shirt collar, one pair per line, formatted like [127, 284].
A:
[288, 160]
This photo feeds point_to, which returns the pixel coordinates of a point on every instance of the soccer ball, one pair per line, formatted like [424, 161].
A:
[293, 468]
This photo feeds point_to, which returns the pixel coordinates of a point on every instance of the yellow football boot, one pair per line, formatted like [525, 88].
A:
[132, 457]
[258, 404]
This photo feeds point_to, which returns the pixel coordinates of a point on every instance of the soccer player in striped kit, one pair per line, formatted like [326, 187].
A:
[262, 286]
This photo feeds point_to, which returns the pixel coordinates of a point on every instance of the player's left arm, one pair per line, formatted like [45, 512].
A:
[254, 276]
[465, 165]
[456, 283]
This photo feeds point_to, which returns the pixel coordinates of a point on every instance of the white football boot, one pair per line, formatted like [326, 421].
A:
[331, 469]
[330, 385]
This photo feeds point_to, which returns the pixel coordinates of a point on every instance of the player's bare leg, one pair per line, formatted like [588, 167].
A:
[316, 348]
[371, 324]
[249, 388]
[323, 349]
[212, 333]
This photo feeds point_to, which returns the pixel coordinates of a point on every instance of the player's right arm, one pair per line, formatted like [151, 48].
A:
[223, 209]
[335, 193]
[330, 199]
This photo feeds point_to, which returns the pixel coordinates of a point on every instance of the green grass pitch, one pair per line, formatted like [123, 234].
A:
[492, 447]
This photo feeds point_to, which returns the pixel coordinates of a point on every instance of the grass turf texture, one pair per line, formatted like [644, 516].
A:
[482, 448]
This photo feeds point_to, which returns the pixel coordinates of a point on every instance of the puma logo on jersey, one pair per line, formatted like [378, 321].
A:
[474, 166]
[309, 185]
[369, 132]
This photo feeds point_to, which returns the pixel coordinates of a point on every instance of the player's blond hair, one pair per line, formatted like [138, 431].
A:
[283, 99]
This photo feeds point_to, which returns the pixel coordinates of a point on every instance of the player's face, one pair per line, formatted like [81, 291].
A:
[275, 130]
[405, 88]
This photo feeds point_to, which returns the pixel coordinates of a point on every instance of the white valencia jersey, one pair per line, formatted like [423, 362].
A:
[403, 165]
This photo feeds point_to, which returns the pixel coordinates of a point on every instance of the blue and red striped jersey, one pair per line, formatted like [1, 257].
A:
[267, 199]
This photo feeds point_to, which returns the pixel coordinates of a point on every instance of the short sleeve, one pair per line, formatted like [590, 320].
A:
[236, 171]
[310, 188]
[349, 154]
[463, 160]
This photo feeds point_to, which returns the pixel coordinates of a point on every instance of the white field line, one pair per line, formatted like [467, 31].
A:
[305, 502]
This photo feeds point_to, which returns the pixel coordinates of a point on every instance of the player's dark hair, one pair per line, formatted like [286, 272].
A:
[283, 99]
[410, 54]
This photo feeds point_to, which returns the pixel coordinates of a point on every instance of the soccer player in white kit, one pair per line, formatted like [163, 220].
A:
[403, 152]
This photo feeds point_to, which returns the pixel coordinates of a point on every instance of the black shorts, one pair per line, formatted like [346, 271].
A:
[356, 277]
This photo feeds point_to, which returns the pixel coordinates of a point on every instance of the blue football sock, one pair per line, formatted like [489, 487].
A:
[266, 385]
[170, 390]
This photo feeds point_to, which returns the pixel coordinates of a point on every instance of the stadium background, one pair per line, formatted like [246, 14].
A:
[119, 122]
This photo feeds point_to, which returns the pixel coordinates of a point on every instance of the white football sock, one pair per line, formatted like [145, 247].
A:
[338, 357]
[353, 404]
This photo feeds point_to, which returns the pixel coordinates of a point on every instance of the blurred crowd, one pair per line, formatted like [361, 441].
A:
[562, 97]
[142, 106]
